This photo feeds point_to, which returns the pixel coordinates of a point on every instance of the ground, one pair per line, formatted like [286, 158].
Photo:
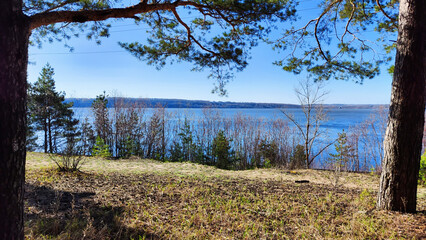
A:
[145, 199]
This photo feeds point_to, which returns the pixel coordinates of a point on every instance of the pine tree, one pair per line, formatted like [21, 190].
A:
[187, 140]
[31, 134]
[222, 152]
[48, 110]
[176, 154]
[101, 149]
[340, 159]
[102, 122]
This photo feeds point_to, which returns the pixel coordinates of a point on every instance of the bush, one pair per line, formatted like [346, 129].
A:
[268, 153]
[222, 151]
[126, 148]
[70, 159]
[176, 154]
[101, 149]
[422, 171]
[298, 158]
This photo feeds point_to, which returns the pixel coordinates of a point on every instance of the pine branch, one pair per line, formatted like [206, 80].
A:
[47, 18]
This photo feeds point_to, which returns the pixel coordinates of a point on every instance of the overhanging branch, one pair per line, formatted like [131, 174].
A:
[47, 18]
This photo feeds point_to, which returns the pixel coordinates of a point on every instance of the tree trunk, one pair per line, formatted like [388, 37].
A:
[14, 35]
[403, 140]
[45, 134]
[49, 130]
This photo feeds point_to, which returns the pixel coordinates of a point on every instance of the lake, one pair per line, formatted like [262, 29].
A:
[338, 119]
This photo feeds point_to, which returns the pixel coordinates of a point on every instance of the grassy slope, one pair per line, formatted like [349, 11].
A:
[137, 198]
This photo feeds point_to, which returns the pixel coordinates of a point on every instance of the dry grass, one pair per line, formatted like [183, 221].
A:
[140, 166]
[144, 199]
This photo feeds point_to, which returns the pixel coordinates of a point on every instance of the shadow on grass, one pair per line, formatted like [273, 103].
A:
[52, 214]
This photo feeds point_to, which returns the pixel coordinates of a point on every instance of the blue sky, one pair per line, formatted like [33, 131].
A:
[92, 68]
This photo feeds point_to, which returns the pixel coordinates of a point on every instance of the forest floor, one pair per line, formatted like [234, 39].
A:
[146, 199]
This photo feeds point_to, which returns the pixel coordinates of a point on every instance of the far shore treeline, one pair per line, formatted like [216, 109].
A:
[183, 103]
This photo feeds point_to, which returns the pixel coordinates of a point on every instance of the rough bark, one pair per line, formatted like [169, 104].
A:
[403, 140]
[14, 34]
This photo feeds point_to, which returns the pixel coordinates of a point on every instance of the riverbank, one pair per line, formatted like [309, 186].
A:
[146, 199]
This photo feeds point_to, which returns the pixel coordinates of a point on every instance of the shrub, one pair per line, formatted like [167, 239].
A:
[298, 158]
[422, 171]
[267, 163]
[339, 160]
[101, 149]
[222, 151]
[126, 148]
[70, 159]
[176, 154]
[268, 153]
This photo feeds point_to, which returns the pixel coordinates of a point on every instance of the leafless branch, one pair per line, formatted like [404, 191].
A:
[293, 120]
[317, 21]
[188, 30]
[322, 150]
[349, 21]
[190, 36]
[384, 13]
[335, 20]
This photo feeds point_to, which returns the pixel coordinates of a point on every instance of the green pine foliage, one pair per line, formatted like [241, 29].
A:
[337, 56]
[126, 147]
[101, 149]
[268, 153]
[48, 112]
[187, 141]
[340, 159]
[176, 154]
[184, 148]
[298, 157]
[222, 153]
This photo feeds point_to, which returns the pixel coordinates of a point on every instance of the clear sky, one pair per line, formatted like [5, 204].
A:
[92, 68]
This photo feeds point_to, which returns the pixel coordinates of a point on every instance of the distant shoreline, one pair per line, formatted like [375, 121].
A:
[183, 103]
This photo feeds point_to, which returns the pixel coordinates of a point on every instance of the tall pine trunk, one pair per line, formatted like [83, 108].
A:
[45, 134]
[402, 145]
[49, 130]
[14, 35]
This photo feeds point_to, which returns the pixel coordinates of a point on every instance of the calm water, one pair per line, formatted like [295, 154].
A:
[338, 119]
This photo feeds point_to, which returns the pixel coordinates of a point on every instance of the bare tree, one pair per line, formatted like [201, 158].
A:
[155, 135]
[128, 127]
[366, 140]
[311, 96]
